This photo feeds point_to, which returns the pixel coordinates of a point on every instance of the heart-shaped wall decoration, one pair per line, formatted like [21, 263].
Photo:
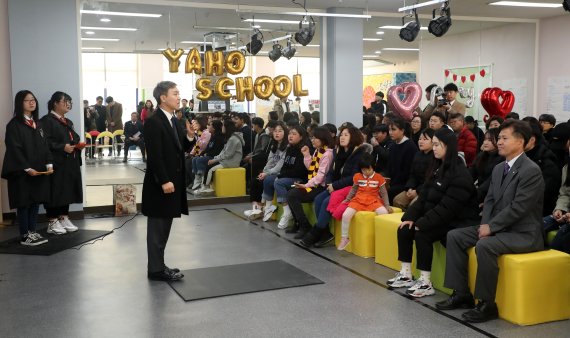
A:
[405, 107]
[497, 102]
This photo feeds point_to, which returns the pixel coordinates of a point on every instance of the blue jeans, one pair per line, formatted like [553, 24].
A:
[550, 224]
[27, 218]
[200, 164]
[280, 186]
[321, 203]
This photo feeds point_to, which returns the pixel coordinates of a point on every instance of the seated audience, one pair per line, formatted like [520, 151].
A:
[447, 201]
[134, 135]
[417, 125]
[213, 148]
[472, 125]
[401, 157]
[484, 164]
[382, 144]
[368, 193]
[339, 180]
[199, 141]
[547, 121]
[512, 223]
[317, 166]
[437, 121]
[466, 141]
[305, 119]
[420, 166]
[494, 122]
[560, 218]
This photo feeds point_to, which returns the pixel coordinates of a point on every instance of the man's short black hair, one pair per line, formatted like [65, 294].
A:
[450, 87]
[380, 94]
[520, 129]
[161, 89]
[109, 99]
[258, 121]
[513, 115]
[380, 128]
[99, 98]
[547, 118]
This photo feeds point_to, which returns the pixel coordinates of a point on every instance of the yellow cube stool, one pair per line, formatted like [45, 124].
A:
[229, 182]
[532, 288]
[386, 239]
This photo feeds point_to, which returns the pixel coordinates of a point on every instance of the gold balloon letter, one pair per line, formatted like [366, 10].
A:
[173, 58]
[235, 62]
[214, 63]
[193, 62]
[244, 88]
[282, 86]
[221, 87]
[203, 86]
[264, 87]
[298, 86]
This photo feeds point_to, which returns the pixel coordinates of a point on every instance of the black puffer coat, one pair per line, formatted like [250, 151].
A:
[551, 174]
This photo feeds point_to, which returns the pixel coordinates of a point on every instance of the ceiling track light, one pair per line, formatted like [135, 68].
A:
[275, 53]
[306, 31]
[410, 31]
[289, 51]
[440, 25]
[256, 42]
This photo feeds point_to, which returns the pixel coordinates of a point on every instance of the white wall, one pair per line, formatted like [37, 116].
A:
[553, 62]
[372, 67]
[509, 48]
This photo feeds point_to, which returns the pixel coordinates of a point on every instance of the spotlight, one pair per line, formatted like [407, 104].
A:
[439, 26]
[275, 53]
[289, 51]
[305, 34]
[566, 5]
[256, 43]
[410, 31]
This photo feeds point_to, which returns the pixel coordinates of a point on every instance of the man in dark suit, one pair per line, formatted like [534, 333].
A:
[164, 196]
[134, 135]
[512, 223]
[114, 119]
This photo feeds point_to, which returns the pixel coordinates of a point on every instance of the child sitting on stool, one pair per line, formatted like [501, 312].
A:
[368, 193]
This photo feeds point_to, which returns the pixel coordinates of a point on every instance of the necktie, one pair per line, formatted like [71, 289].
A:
[175, 129]
[31, 123]
[505, 171]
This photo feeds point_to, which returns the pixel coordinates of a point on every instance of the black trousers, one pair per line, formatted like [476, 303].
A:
[157, 233]
[296, 198]
[424, 245]
[55, 212]
[129, 143]
[256, 186]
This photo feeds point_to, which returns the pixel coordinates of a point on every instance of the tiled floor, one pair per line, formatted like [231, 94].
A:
[101, 290]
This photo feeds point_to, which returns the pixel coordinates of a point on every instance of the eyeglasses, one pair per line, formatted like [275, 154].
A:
[31, 100]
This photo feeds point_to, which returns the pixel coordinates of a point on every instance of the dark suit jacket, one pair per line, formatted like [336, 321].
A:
[515, 207]
[133, 128]
[165, 163]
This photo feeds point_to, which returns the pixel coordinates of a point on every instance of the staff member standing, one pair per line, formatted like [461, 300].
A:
[66, 186]
[27, 154]
[164, 196]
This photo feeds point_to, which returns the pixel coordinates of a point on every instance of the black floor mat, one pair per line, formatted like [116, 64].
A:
[240, 278]
[55, 244]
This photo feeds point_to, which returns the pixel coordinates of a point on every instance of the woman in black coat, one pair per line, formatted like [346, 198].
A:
[26, 164]
[485, 162]
[66, 185]
[345, 164]
[447, 200]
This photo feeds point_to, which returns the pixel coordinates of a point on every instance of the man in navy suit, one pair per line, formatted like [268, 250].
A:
[511, 223]
[134, 135]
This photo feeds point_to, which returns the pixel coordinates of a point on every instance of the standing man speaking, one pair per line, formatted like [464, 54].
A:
[164, 196]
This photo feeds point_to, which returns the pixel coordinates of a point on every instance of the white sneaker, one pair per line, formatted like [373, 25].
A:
[284, 221]
[417, 283]
[401, 281]
[55, 227]
[255, 214]
[422, 289]
[67, 225]
[247, 213]
[269, 212]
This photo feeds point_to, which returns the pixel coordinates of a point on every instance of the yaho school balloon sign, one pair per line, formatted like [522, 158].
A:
[234, 63]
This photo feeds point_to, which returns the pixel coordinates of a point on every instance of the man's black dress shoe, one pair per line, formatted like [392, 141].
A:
[166, 275]
[325, 239]
[456, 301]
[176, 270]
[483, 312]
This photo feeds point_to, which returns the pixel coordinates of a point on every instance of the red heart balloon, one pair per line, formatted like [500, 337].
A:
[454, 77]
[463, 78]
[497, 102]
[446, 73]
[472, 77]
[482, 72]
[412, 97]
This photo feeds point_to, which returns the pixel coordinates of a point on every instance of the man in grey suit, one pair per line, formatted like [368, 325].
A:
[511, 223]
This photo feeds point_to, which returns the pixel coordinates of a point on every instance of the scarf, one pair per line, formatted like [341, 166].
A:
[196, 150]
[315, 160]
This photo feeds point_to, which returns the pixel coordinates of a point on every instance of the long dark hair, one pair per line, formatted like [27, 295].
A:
[356, 138]
[19, 106]
[279, 146]
[307, 117]
[324, 135]
[493, 135]
[230, 127]
[451, 160]
[217, 126]
[400, 123]
[56, 97]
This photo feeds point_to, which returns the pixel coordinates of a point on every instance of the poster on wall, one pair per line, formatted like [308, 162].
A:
[519, 88]
[381, 83]
[471, 81]
[558, 103]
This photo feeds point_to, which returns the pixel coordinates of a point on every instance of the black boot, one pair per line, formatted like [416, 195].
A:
[311, 237]
[325, 238]
[303, 230]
